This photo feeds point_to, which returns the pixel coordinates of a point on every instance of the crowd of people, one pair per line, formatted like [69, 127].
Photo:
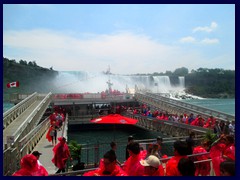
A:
[56, 121]
[150, 161]
[219, 127]
[147, 162]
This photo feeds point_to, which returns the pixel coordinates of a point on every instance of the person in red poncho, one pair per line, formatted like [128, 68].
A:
[41, 168]
[108, 166]
[202, 168]
[51, 135]
[216, 150]
[61, 154]
[132, 165]
[152, 166]
[180, 151]
[29, 166]
[229, 151]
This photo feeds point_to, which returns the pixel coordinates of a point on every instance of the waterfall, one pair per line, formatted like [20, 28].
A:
[181, 82]
[93, 82]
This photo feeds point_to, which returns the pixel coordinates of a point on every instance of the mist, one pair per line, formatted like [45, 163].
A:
[96, 82]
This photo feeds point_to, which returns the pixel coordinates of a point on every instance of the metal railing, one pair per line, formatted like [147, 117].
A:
[13, 155]
[159, 101]
[94, 165]
[32, 119]
[10, 115]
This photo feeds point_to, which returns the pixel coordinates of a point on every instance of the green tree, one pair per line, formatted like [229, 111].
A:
[181, 71]
[23, 62]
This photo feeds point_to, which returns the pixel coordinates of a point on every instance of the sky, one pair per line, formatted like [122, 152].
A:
[130, 39]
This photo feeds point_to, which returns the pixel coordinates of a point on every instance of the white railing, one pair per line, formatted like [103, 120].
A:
[32, 119]
[187, 107]
[10, 115]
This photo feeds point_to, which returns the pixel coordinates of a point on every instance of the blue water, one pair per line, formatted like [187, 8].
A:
[222, 105]
[7, 106]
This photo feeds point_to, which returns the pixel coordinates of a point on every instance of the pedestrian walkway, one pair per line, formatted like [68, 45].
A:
[45, 147]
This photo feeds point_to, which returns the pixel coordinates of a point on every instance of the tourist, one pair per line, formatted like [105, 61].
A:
[114, 148]
[229, 151]
[190, 119]
[159, 142]
[190, 142]
[202, 168]
[222, 125]
[152, 166]
[108, 166]
[216, 151]
[29, 166]
[61, 155]
[186, 167]
[217, 129]
[155, 149]
[132, 166]
[227, 168]
[180, 151]
[226, 130]
[41, 168]
[52, 134]
[232, 128]
[130, 140]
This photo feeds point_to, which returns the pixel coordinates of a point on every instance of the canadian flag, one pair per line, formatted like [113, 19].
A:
[13, 84]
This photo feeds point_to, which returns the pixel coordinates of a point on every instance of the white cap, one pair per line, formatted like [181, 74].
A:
[151, 161]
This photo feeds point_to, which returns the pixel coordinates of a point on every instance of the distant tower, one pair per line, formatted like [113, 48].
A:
[108, 70]
[109, 82]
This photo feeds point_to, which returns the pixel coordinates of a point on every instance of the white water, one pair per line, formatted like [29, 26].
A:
[81, 82]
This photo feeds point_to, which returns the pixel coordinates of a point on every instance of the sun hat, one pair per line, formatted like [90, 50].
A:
[151, 161]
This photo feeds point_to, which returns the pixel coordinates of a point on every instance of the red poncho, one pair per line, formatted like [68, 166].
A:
[202, 168]
[48, 137]
[216, 156]
[99, 172]
[229, 151]
[29, 166]
[171, 166]
[133, 167]
[61, 154]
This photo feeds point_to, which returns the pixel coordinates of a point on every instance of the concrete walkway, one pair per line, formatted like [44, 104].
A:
[45, 147]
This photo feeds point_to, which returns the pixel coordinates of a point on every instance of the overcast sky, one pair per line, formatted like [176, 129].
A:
[138, 38]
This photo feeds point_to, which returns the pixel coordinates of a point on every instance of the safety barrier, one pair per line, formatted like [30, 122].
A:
[10, 115]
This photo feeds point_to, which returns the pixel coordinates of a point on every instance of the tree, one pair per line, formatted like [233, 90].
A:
[34, 63]
[181, 71]
[75, 150]
[23, 62]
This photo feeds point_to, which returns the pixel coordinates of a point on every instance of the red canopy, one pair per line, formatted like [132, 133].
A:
[114, 119]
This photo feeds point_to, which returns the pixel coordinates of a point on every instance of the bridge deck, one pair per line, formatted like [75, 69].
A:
[12, 128]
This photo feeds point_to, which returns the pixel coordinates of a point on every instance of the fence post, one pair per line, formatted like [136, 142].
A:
[96, 154]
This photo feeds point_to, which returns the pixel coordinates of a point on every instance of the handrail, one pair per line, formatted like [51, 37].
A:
[81, 172]
[28, 120]
[183, 105]
[17, 110]
[203, 109]
[25, 140]
[19, 104]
